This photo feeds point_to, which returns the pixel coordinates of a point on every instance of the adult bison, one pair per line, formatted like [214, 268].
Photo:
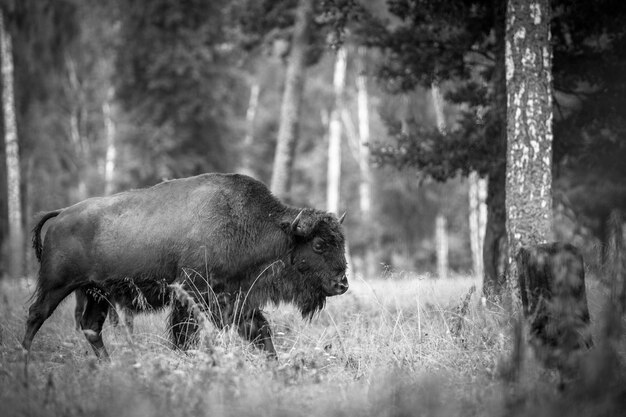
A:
[225, 238]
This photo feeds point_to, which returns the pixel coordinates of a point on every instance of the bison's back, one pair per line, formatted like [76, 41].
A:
[214, 223]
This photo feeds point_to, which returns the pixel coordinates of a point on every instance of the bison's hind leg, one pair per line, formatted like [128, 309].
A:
[183, 326]
[46, 302]
[255, 328]
[92, 322]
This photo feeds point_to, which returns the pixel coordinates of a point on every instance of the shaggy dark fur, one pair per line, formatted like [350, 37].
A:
[225, 237]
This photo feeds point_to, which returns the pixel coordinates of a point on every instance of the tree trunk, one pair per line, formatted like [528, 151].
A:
[109, 128]
[253, 104]
[365, 183]
[438, 106]
[529, 127]
[616, 261]
[477, 194]
[441, 242]
[76, 128]
[4, 227]
[333, 184]
[441, 236]
[291, 104]
[495, 243]
[16, 232]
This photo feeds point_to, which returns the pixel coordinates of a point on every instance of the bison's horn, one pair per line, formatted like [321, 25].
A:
[294, 223]
[343, 216]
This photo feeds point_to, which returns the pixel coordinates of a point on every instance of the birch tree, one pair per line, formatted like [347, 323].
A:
[529, 126]
[333, 185]
[477, 194]
[111, 149]
[365, 183]
[11, 146]
[292, 100]
[248, 140]
[441, 233]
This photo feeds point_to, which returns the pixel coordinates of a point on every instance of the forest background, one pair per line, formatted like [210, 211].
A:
[118, 94]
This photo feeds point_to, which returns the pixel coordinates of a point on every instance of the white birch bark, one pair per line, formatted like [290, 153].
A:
[292, 101]
[11, 145]
[365, 185]
[333, 186]
[477, 195]
[111, 150]
[253, 104]
[528, 59]
[441, 242]
[441, 236]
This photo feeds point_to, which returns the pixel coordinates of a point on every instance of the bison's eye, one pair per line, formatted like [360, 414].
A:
[318, 246]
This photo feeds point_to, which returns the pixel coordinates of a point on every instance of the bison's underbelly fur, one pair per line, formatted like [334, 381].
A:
[136, 294]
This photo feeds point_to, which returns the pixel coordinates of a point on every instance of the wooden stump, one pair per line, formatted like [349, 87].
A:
[552, 284]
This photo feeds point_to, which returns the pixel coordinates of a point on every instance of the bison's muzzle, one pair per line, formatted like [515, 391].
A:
[336, 286]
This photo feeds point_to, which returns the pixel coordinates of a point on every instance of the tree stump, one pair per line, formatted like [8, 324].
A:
[552, 284]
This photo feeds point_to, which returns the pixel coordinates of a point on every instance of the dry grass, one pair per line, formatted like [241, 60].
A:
[393, 347]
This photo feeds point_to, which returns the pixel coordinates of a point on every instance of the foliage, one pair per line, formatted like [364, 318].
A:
[456, 43]
[175, 85]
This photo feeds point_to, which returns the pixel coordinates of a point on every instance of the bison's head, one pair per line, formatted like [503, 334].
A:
[318, 259]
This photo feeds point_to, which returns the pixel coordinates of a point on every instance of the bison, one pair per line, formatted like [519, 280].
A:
[223, 239]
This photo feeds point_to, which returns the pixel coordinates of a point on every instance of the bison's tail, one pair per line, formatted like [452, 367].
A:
[37, 232]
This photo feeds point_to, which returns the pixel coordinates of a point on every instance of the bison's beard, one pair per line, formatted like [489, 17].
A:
[289, 285]
[311, 305]
[307, 295]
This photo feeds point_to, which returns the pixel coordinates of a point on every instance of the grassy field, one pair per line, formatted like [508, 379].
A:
[402, 346]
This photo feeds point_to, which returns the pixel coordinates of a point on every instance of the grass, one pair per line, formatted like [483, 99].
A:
[392, 347]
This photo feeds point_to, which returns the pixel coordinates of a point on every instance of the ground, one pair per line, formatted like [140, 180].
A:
[401, 346]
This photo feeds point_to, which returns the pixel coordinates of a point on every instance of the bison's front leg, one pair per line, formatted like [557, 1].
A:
[92, 321]
[255, 327]
[184, 327]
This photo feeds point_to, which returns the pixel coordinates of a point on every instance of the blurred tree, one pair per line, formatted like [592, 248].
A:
[111, 147]
[248, 141]
[441, 223]
[529, 127]
[88, 93]
[11, 152]
[477, 193]
[333, 185]
[365, 181]
[291, 105]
